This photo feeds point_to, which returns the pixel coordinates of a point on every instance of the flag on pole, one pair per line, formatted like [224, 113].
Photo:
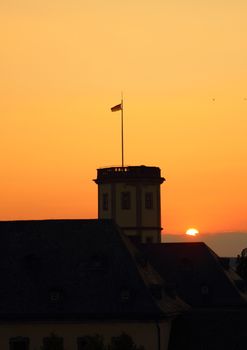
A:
[117, 108]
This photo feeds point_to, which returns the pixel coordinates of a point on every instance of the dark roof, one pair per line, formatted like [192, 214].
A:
[196, 273]
[75, 269]
[210, 329]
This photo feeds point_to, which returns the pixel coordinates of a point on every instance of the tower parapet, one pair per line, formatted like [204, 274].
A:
[131, 196]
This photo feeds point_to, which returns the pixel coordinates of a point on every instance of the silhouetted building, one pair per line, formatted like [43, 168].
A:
[76, 278]
[217, 319]
[131, 197]
[197, 274]
[210, 329]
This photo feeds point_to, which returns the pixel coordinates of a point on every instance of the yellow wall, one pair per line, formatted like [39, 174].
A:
[129, 218]
[142, 333]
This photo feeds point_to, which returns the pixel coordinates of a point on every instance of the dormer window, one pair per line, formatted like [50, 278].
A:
[206, 294]
[55, 296]
[99, 262]
[125, 295]
[204, 289]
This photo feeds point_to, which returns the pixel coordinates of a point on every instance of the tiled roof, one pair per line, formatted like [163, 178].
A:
[76, 269]
[210, 329]
[196, 273]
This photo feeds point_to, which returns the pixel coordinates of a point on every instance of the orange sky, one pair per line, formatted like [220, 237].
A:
[64, 64]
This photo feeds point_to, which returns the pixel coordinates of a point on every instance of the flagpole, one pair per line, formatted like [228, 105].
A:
[120, 107]
[122, 131]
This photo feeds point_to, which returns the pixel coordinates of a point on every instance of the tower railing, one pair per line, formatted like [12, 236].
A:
[129, 171]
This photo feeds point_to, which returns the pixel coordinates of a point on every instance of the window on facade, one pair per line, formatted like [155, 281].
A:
[56, 295]
[105, 201]
[125, 295]
[53, 342]
[82, 343]
[90, 342]
[19, 343]
[125, 200]
[149, 200]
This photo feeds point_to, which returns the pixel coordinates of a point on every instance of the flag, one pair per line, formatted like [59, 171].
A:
[117, 108]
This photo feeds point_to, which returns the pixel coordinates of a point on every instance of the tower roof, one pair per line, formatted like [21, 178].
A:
[129, 173]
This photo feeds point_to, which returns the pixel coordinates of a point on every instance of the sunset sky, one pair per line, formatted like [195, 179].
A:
[182, 66]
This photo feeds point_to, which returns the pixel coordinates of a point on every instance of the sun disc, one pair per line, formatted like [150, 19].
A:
[192, 232]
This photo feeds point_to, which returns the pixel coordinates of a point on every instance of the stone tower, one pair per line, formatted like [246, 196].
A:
[131, 196]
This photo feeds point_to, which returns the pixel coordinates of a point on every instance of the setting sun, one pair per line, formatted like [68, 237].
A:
[192, 232]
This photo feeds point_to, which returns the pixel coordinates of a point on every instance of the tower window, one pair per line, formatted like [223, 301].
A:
[105, 201]
[149, 203]
[125, 200]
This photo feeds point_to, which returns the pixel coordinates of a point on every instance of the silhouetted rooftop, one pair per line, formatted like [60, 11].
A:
[76, 269]
[210, 329]
[196, 273]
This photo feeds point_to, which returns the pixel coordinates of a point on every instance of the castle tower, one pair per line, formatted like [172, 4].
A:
[131, 196]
